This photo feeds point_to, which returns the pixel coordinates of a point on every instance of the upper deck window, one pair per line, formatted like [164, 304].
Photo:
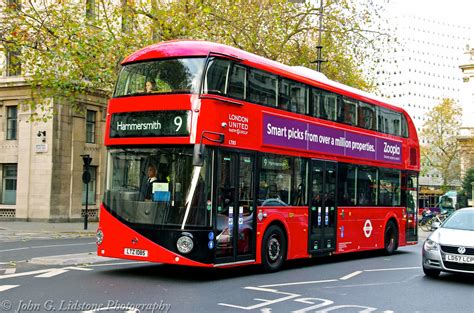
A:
[349, 111]
[330, 106]
[262, 87]
[293, 96]
[160, 76]
[389, 121]
[404, 126]
[216, 78]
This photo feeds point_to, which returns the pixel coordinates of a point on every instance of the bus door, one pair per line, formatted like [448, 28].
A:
[322, 207]
[235, 235]
[411, 194]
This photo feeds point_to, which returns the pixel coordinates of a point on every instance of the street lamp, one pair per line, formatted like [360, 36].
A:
[319, 47]
[86, 178]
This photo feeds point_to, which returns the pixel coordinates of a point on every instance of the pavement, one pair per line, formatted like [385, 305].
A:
[15, 230]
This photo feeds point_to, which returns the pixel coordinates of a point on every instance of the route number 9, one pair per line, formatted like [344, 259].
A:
[178, 121]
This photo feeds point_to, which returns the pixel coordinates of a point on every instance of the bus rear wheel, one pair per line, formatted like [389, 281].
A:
[273, 249]
[390, 238]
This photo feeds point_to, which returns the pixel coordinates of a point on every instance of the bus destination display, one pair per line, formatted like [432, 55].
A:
[149, 124]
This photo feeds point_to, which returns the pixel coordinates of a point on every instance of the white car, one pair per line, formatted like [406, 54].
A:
[450, 248]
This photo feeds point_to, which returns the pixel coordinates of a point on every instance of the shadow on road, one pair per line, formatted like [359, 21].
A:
[452, 279]
[190, 274]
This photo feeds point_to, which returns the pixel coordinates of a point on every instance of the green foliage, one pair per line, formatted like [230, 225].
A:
[441, 152]
[467, 182]
[67, 53]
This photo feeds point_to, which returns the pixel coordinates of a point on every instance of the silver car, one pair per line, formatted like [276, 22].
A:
[450, 248]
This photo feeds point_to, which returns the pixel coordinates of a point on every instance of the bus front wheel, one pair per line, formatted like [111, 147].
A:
[273, 249]
[390, 238]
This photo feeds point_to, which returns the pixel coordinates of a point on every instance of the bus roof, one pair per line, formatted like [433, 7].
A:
[182, 48]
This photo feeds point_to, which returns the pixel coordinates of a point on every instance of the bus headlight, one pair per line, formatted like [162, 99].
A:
[185, 243]
[99, 237]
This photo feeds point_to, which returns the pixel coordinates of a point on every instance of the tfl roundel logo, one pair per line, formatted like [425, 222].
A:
[367, 228]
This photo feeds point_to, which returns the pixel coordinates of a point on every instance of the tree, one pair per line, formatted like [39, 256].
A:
[467, 182]
[74, 48]
[441, 153]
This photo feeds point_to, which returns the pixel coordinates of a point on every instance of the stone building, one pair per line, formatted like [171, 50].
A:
[466, 138]
[40, 162]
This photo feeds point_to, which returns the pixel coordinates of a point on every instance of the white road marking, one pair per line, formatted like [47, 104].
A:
[366, 309]
[350, 275]
[24, 274]
[52, 272]
[118, 263]
[46, 272]
[6, 287]
[15, 249]
[323, 302]
[11, 270]
[394, 269]
[301, 283]
[287, 296]
[57, 271]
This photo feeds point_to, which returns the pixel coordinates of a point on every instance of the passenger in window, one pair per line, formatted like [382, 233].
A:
[298, 196]
[363, 199]
[150, 86]
[317, 200]
[227, 199]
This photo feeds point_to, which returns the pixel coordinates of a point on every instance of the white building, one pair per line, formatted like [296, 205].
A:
[420, 66]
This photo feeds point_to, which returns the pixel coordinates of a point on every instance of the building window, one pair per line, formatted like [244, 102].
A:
[12, 125]
[9, 183]
[92, 187]
[13, 62]
[90, 126]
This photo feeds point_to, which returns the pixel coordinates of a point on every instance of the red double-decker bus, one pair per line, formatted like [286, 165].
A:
[218, 157]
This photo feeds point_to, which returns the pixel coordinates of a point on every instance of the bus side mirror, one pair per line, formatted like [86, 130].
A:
[198, 154]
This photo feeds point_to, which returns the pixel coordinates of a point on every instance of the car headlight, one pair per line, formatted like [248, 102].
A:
[431, 245]
[185, 244]
[99, 237]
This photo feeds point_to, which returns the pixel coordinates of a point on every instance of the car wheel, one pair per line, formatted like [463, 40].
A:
[431, 272]
[390, 238]
[273, 249]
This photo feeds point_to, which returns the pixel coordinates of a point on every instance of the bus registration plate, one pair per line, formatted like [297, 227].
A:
[460, 258]
[136, 252]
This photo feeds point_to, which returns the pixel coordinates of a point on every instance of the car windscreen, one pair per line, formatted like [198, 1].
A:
[462, 220]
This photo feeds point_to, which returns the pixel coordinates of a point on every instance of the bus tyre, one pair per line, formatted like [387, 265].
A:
[390, 238]
[273, 249]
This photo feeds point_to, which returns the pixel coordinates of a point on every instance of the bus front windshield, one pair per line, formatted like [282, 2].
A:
[158, 186]
[160, 76]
